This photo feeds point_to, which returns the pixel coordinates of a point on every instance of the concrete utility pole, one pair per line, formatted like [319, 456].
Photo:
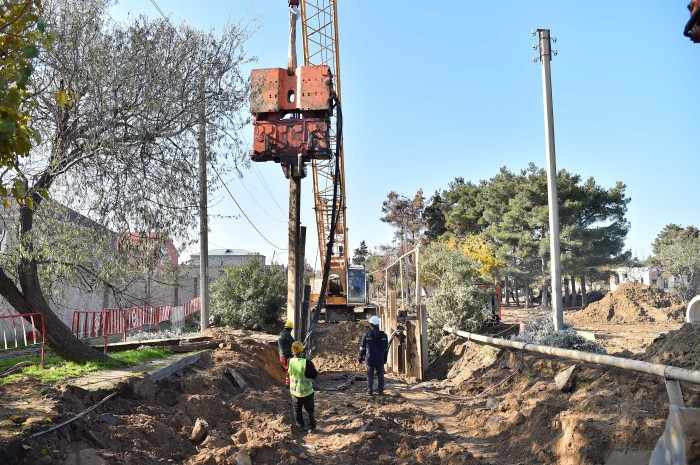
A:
[203, 219]
[545, 48]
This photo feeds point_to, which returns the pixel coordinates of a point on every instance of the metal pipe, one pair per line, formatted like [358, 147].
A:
[292, 56]
[665, 371]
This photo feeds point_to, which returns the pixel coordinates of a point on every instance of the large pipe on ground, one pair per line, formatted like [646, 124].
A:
[665, 371]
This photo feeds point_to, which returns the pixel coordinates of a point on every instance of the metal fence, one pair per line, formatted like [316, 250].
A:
[110, 321]
[26, 330]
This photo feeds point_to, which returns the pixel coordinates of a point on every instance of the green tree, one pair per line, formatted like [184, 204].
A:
[120, 120]
[249, 297]
[510, 213]
[22, 33]
[676, 252]
[434, 217]
[405, 215]
[593, 226]
[361, 254]
[463, 213]
[455, 299]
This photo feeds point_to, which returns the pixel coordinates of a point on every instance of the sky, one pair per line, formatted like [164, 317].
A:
[434, 91]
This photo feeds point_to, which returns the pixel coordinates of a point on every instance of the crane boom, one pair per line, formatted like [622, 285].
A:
[319, 27]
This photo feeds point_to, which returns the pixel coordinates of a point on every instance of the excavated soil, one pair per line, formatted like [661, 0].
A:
[633, 303]
[490, 407]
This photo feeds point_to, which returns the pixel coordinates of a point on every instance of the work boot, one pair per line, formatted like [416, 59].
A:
[299, 425]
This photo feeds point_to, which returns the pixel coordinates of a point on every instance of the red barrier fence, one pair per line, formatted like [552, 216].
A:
[28, 332]
[102, 323]
[191, 307]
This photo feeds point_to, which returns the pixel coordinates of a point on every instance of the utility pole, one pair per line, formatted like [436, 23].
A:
[203, 219]
[545, 47]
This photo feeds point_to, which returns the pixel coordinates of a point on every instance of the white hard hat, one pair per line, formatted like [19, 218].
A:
[374, 320]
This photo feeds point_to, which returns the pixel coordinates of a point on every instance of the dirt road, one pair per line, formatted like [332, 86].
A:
[492, 407]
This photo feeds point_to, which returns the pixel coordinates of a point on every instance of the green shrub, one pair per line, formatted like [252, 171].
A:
[250, 297]
[542, 332]
[455, 300]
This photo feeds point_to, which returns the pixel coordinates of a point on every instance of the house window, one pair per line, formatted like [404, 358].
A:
[653, 282]
[641, 280]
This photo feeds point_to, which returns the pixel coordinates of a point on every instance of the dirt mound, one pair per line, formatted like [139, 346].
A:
[337, 345]
[633, 303]
[678, 348]
[247, 424]
[510, 398]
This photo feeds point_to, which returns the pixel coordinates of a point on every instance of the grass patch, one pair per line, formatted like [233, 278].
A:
[57, 370]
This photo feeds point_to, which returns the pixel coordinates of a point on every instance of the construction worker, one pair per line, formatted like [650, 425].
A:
[284, 344]
[301, 372]
[374, 351]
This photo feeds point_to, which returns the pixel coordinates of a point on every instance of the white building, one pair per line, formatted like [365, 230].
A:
[638, 274]
[219, 259]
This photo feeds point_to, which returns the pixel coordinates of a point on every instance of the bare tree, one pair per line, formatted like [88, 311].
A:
[118, 108]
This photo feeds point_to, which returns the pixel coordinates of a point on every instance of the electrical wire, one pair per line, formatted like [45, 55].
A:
[243, 212]
[160, 11]
[258, 204]
[259, 175]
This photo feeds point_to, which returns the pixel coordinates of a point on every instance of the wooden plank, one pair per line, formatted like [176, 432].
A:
[423, 341]
[394, 349]
[178, 365]
[413, 368]
[391, 317]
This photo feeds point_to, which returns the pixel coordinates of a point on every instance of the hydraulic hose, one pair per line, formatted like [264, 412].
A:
[331, 233]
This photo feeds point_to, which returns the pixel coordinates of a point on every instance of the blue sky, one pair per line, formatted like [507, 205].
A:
[436, 90]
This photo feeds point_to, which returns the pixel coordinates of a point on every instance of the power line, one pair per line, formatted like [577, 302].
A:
[257, 173]
[239, 207]
[160, 11]
[258, 204]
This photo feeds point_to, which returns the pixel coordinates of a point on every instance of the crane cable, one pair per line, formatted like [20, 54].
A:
[331, 233]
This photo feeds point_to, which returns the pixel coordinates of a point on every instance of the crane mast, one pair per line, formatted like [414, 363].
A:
[298, 122]
[319, 27]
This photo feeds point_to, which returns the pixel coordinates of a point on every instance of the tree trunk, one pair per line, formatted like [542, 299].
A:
[584, 298]
[544, 294]
[573, 291]
[505, 291]
[566, 291]
[31, 300]
[528, 294]
[517, 297]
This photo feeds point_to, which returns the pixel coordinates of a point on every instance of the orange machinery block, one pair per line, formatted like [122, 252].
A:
[283, 140]
[292, 114]
[274, 91]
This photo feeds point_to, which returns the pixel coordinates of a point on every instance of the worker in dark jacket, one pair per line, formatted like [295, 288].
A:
[284, 343]
[301, 372]
[374, 350]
